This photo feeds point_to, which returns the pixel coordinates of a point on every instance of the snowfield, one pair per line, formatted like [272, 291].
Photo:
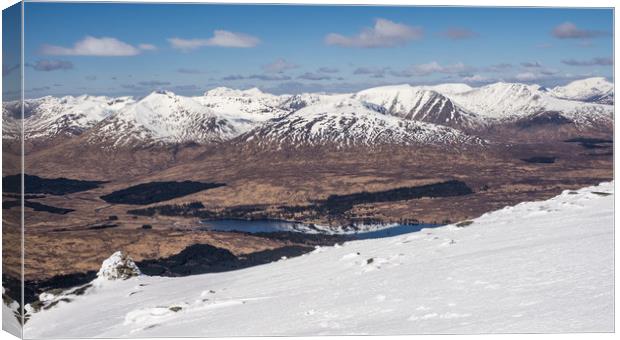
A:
[596, 89]
[510, 101]
[536, 267]
[162, 117]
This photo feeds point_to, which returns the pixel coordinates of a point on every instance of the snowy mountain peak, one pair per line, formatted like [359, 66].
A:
[595, 89]
[228, 92]
[514, 101]
[223, 113]
[516, 88]
[255, 91]
[420, 104]
[347, 122]
[450, 88]
[162, 117]
[165, 92]
[600, 83]
[50, 117]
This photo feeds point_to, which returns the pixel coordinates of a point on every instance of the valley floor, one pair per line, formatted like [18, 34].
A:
[543, 266]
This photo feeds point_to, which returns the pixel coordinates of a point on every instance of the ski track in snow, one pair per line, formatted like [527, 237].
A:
[535, 267]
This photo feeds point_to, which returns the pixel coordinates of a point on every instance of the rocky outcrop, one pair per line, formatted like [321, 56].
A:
[119, 266]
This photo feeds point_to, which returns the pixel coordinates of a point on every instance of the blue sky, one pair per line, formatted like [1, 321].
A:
[11, 47]
[133, 49]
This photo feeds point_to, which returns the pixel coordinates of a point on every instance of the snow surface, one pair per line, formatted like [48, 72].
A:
[422, 104]
[68, 115]
[543, 266]
[10, 323]
[509, 101]
[344, 122]
[596, 89]
[449, 88]
[246, 109]
[163, 117]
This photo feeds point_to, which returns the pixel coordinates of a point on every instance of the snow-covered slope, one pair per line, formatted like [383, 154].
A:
[11, 124]
[223, 113]
[595, 90]
[162, 117]
[68, 116]
[343, 122]
[512, 101]
[536, 267]
[244, 108]
[449, 88]
[11, 321]
[418, 103]
[299, 101]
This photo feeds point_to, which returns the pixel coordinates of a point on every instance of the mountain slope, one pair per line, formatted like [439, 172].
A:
[536, 267]
[506, 102]
[420, 104]
[593, 90]
[244, 108]
[50, 117]
[222, 114]
[449, 88]
[159, 118]
[11, 124]
[299, 101]
[348, 122]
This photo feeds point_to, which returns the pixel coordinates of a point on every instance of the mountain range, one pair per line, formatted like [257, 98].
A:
[399, 114]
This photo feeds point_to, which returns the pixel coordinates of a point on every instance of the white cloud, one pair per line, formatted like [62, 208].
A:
[230, 39]
[220, 38]
[92, 46]
[385, 33]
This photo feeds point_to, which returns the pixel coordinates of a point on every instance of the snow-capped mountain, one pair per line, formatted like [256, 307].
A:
[68, 116]
[501, 102]
[345, 122]
[222, 114]
[245, 108]
[299, 101]
[159, 118]
[11, 124]
[490, 275]
[420, 104]
[594, 90]
[449, 88]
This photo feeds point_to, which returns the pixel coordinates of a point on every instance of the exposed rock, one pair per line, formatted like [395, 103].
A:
[118, 266]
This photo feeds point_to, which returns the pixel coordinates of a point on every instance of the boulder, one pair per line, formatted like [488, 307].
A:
[119, 266]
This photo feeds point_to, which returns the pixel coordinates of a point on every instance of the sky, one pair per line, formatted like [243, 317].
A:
[133, 49]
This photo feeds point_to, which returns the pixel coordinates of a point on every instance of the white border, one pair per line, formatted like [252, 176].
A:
[480, 3]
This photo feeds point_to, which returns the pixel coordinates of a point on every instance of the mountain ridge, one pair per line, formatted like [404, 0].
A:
[223, 114]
